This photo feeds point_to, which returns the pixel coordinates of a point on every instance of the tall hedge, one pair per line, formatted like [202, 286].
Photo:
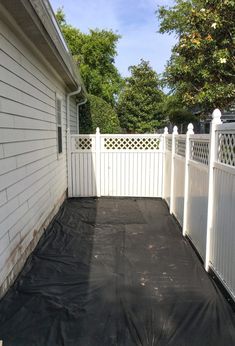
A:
[98, 113]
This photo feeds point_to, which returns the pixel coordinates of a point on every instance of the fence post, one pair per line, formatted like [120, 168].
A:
[97, 156]
[175, 132]
[164, 161]
[186, 176]
[213, 153]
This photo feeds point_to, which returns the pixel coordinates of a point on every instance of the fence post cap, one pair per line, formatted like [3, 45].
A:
[175, 130]
[190, 129]
[216, 115]
[165, 130]
[97, 130]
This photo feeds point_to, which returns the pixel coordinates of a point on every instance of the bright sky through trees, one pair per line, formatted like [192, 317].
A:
[134, 20]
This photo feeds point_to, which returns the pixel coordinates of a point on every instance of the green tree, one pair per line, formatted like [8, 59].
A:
[138, 104]
[202, 65]
[175, 112]
[98, 113]
[95, 53]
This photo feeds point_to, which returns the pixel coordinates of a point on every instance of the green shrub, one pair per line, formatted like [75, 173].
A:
[98, 113]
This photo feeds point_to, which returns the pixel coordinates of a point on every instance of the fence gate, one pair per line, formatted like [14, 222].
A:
[116, 165]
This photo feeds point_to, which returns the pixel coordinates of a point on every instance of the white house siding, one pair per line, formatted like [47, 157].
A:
[73, 119]
[33, 179]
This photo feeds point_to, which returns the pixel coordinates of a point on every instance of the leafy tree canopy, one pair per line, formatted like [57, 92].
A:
[138, 104]
[98, 113]
[95, 53]
[175, 112]
[202, 65]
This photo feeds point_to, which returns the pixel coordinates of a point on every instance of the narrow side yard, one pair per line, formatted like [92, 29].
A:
[114, 271]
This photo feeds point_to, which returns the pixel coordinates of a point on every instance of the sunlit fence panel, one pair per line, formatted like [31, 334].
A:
[198, 173]
[117, 165]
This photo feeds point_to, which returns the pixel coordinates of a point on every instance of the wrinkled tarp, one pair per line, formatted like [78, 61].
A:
[115, 272]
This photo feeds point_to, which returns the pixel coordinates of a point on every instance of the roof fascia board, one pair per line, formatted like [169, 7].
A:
[51, 28]
[35, 21]
[8, 20]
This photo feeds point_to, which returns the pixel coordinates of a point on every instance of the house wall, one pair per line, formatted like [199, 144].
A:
[33, 178]
[73, 117]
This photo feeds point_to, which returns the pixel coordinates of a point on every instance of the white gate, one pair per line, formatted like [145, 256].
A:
[116, 165]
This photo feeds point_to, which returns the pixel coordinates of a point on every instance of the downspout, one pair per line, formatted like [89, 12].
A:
[69, 168]
[78, 105]
[68, 105]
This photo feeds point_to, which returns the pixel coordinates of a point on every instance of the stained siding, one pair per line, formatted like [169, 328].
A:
[32, 176]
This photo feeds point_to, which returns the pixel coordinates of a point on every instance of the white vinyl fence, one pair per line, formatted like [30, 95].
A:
[195, 174]
[221, 223]
[197, 191]
[167, 168]
[199, 172]
[178, 176]
[116, 165]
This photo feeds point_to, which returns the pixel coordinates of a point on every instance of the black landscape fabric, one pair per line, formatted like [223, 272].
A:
[114, 272]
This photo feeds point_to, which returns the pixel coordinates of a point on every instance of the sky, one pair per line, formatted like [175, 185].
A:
[134, 20]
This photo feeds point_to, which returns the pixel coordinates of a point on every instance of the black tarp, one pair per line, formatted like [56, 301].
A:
[115, 272]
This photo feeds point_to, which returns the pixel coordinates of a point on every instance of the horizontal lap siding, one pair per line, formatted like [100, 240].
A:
[32, 177]
[73, 119]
